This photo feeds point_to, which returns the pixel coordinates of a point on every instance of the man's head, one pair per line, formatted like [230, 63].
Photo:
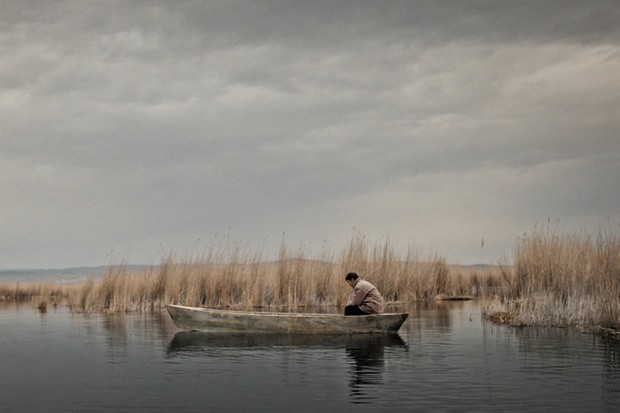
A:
[351, 278]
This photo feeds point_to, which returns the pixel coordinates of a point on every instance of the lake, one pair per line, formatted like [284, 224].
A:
[445, 359]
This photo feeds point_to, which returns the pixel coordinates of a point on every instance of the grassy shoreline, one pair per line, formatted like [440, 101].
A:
[232, 277]
[560, 280]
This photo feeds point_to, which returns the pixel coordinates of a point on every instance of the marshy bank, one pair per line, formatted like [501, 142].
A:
[561, 280]
[231, 276]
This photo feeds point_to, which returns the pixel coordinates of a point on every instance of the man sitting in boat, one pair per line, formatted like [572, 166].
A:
[364, 299]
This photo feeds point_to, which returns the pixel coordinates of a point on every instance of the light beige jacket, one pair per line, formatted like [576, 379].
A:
[366, 296]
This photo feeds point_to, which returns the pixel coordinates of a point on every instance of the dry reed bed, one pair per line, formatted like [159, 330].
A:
[560, 280]
[233, 277]
[42, 294]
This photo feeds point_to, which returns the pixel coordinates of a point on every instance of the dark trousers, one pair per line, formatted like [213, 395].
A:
[353, 310]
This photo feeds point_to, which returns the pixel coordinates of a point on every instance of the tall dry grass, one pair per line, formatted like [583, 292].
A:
[561, 280]
[41, 294]
[233, 276]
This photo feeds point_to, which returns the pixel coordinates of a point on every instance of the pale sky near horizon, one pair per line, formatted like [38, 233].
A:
[132, 129]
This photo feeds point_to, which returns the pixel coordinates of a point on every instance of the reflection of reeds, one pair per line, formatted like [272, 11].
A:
[561, 280]
[231, 276]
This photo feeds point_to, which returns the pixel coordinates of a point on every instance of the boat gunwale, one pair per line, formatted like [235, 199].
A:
[276, 313]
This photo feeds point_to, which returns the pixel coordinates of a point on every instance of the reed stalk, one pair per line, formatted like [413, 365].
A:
[561, 280]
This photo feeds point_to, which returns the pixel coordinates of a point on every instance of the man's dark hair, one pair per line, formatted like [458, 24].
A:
[351, 276]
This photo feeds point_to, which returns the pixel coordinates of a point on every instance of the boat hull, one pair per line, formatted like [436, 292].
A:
[204, 319]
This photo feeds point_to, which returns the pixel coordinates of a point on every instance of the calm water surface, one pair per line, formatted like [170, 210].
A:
[445, 359]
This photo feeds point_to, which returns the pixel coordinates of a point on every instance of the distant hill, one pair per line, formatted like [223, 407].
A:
[60, 274]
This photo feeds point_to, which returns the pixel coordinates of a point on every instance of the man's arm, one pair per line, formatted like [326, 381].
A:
[358, 295]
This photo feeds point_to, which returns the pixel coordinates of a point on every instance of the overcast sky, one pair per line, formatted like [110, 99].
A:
[129, 128]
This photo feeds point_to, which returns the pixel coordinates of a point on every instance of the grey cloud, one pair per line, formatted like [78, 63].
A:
[167, 120]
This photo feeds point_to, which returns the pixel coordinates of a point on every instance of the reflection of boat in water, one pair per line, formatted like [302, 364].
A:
[365, 353]
[206, 319]
[367, 363]
[188, 341]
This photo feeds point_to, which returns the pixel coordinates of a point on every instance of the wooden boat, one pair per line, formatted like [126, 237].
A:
[205, 319]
